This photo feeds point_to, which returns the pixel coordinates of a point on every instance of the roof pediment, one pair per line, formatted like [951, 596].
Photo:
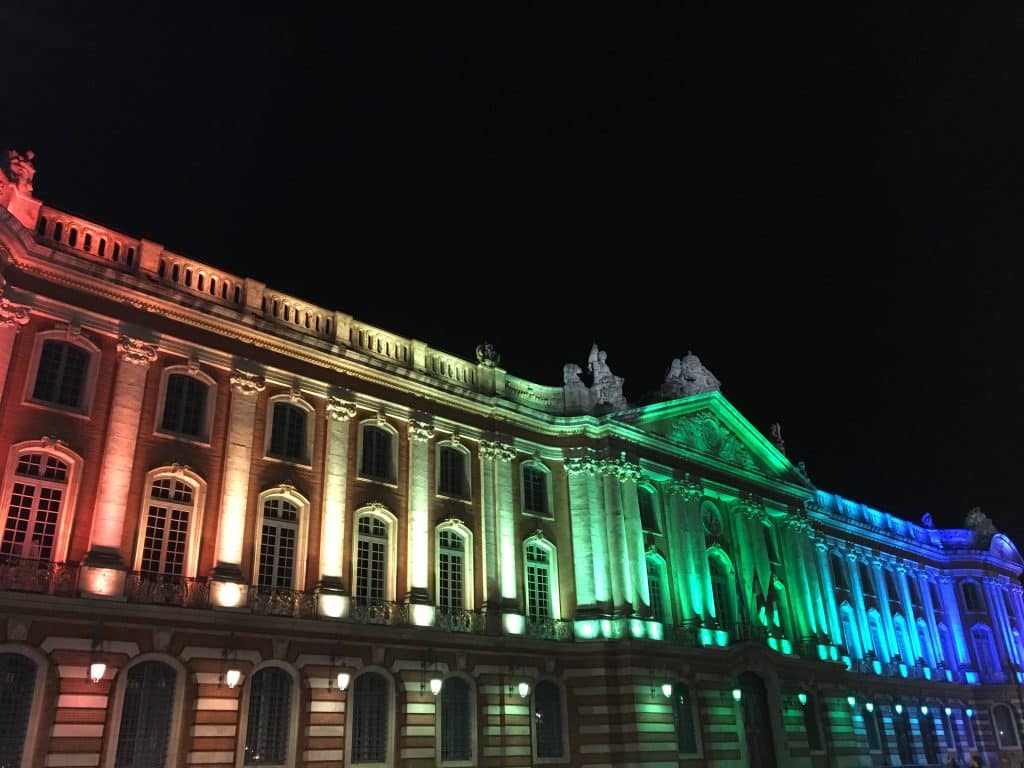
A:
[708, 424]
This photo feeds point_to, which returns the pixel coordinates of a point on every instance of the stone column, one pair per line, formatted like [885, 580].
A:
[885, 609]
[924, 587]
[12, 318]
[418, 572]
[680, 565]
[332, 597]
[829, 592]
[636, 556]
[584, 558]
[501, 544]
[1001, 621]
[104, 570]
[228, 588]
[622, 583]
[951, 608]
[858, 605]
[603, 590]
[908, 613]
[799, 590]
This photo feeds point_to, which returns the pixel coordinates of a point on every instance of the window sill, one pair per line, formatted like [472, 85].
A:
[43, 405]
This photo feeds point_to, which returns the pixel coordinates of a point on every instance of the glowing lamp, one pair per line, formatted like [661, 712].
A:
[924, 709]
[232, 677]
[524, 689]
[435, 685]
[851, 700]
[97, 670]
[899, 709]
[666, 688]
[948, 711]
[802, 698]
[737, 694]
[343, 680]
[969, 712]
[869, 706]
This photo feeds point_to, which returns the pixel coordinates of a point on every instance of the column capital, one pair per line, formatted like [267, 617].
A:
[494, 449]
[12, 315]
[622, 469]
[821, 545]
[247, 382]
[135, 351]
[339, 409]
[580, 465]
[690, 489]
[420, 431]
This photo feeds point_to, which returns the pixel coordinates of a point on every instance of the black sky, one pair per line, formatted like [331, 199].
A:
[824, 205]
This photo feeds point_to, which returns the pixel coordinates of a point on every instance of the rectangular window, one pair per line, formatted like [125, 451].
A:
[535, 492]
[654, 584]
[376, 457]
[452, 473]
[288, 432]
[538, 588]
[647, 517]
[371, 561]
[60, 377]
[684, 715]
[184, 406]
[450, 571]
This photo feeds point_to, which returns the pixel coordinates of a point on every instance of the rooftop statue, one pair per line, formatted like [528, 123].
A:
[688, 376]
[983, 527]
[606, 387]
[21, 170]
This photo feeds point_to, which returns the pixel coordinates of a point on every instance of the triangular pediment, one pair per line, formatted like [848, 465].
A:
[708, 425]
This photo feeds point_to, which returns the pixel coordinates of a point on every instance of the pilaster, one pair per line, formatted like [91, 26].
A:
[420, 434]
[332, 596]
[12, 318]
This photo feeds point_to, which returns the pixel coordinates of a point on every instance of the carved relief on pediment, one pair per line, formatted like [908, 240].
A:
[704, 432]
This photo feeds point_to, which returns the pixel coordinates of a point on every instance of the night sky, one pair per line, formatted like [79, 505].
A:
[824, 205]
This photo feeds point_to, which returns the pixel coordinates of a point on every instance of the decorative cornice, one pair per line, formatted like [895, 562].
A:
[495, 449]
[135, 351]
[339, 409]
[622, 468]
[581, 465]
[247, 382]
[11, 315]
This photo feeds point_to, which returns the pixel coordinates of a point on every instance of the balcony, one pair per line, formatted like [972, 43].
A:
[159, 589]
[38, 576]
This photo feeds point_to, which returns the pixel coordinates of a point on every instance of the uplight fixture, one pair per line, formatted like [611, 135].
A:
[948, 711]
[869, 706]
[232, 677]
[666, 688]
[924, 709]
[343, 680]
[97, 670]
[802, 698]
[899, 709]
[524, 689]
[969, 712]
[851, 700]
[435, 685]
[737, 694]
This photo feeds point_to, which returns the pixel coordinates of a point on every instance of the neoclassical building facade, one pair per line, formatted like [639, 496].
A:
[239, 529]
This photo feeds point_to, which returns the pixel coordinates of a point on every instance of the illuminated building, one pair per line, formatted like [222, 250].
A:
[241, 529]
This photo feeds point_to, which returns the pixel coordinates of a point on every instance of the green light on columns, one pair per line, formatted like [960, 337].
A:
[786, 646]
[636, 628]
[721, 638]
[823, 651]
[706, 638]
[773, 642]
[802, 698]
[655, 630]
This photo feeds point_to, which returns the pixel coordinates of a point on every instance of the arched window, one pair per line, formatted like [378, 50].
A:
[453, 470]
[972, 596]
[779, 615]
[839, 580]
[65, 371]
[458, 721]
[454, 567]
[684, 717]
[871, 728]
[374, 557]
[848, 625]
[812, 725]
[984, 651]
[1006, 729]
[147, 713]
[541, 579]
[281, 529]
[723, 588]
[290, 438]
[269, 717]
[168, 543]
[648, 509]
[658, 586]
[39, 493]
[867, 583]
[377, 458]
[17, 687]
[901, 727]
[536, 489]
[187, 399]
[548, 735]
[370, 725]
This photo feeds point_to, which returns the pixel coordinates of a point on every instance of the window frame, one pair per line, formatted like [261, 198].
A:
[190, 566]
[294, 705]
[538, 540]
[468, 578]
[563, 713]
[535, 465]
[289, 493]
[389, 707]
[972, 606]
[383, 514]
[694, 716]
[89, 379]
[392, 457]
[453, 447]
[472, 726]
[309, 429]
[33, 747]
[644, 490]
[174, 734]
[56, 449]
[657, 570]
[210, 405]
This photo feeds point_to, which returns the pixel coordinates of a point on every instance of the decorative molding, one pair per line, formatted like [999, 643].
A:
[339, 409]
[135, 351]
[581, 465]
[494, 449]
[11, 315]
[420, 431]
[622, 468]
[247, 382]
[705, 432]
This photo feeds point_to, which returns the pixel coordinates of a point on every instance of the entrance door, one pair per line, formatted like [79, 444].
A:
[757, 722]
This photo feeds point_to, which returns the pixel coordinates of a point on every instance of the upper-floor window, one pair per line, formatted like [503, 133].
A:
[972, 596]
[892, 587]
[984, 652]
[377, 457]
[915, 594]
[65, 371]
[723, 588]
[371, 707]
[18, 674]
[269, 717]
[279, 552]
[712, 520]
[187, 404]
[656, 583]
[168, 543]
[374, 557]
[147, 713]
[290, 438]
[541, 580]
[451, 569]
[458, 722]
[770, 545]
[839, 580]
[38, 496]
[536, 481]
[867, 581]
[452, 471]
[648, 514]
[549, 737]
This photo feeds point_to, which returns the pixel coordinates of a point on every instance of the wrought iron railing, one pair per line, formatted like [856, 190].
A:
[41, 576]
[744, 631]
[453, 620]
[276, 601]
[161, 589]
[379, 612]
[686, 636]
[548, 629]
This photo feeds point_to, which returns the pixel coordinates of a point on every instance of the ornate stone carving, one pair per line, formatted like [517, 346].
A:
[571, 374]
[420, 431]
[690, 488]
[193, 365]
[494, 449]
[622, 468]
[688, 376]
[606, 387]
[247, 382]
[135, 351]
[704, 432]
[339, 409]
[295, 392]
[581, 465]
[982, 526]
[487, 355]
[21, 170]
[11, 315]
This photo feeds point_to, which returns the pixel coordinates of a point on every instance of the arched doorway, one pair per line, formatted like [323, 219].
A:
[757, 722]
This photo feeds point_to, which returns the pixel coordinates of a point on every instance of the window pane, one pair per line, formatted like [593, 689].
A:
[184, 405]
[146, 716]
[370, 719]
[548, 717]
[451, 481]
[456, 720]
[811, 724]
[17, 684]
[371, 560]
[450, 571]
[538, 588]
[647, 517]
[266, 739]
[60, 377]
[288, 432]
[376, 462]
[535, 491]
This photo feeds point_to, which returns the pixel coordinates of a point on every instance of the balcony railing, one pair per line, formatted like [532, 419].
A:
[379, 612]
[452, 620]
[40, 576]
[160, 589]
[548, 629]
[265, 601]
